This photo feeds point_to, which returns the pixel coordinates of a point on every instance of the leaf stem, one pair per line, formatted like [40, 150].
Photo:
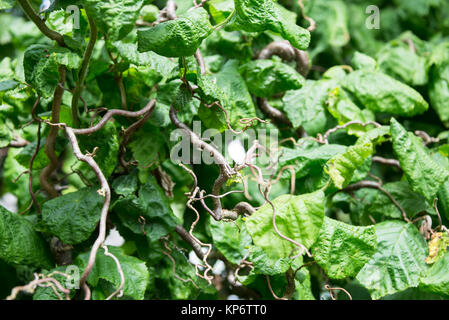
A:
[225, 21]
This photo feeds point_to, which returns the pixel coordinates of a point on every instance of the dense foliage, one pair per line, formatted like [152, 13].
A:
[344, 193]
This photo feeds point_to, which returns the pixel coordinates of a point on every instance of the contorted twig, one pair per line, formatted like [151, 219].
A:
[40, 281]
[287, 52]
[248, 122]
[440, 222]
[312, 23]
[427, 139]
[167, 13]
[129, 132]
[168, 254]
[289, 290]
[114, 112]
[200, 60]
[378, 186]
[332, 293]
[326, 135]
[104, 191]
[273, 113]
[388, 162]
[51, 138]
[83, 69]
[119, 291]
[104, 186]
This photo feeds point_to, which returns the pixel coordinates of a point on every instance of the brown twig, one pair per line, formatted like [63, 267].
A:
[51, 138]
[119, 291]
[104, 191]
[39, 281]
[200, 60]
[129, 132]
[312, 23]
[51, 34]
[343, 126]
[331, 292]
[273, 113]
[287, 52]
[378, 186]
[388, 162]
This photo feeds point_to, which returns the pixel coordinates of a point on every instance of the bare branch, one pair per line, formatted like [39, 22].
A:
[347, 124]
[388, 162]
[112, 113]
[119, 291]
[378, 186]
[273, 113]
[104, 191]
[200, 59]
[39, 281]
[287, 52]
[51, 138]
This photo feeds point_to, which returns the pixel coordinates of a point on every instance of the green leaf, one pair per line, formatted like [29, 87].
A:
[363, 61]
[74, 216]
[162, 65]
[176, 38]
[261, 15]
[25, 154]
[266, 78]
[342, 249]
[115, 18]
[381, 206]
[153, 206]
[264, 264]
[106, 141]
[6, 134]
[126, 184]
[149, 13]
[341, 107]
[333, 18]
[436, 278]
[19, 243]
[439, 81]
[240, 104]
[58, 273]
[305, 107]
[381, 93]
[297, 217]
[220, 9]
[41, 63]
[397, 60]
[341, 168]
[231, 242]
[135, 271]
[309, 159]
[147, 151]
[424, 175]
[398, 261]
[8, 85]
